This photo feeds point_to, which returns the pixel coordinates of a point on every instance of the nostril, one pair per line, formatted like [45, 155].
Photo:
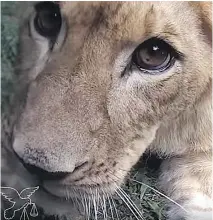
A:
[43, 174]
[47, 175]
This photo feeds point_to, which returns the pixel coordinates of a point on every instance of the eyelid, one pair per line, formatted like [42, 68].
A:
[53, 45]
[174, 55]
[32, 31]
[151, 72]
[178, 54]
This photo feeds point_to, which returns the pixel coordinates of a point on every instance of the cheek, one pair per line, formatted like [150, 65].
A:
[129, 107]
[132, 152]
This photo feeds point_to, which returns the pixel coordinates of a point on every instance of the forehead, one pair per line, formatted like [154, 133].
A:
[133, 21]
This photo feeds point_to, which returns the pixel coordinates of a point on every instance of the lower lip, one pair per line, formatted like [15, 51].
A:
[56, 190]
[49, 192]
[67, 191]
[59, 191]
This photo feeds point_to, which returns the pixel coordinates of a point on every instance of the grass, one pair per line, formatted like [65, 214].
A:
[148, 201]
[141, 188]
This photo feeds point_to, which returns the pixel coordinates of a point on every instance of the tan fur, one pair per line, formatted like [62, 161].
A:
[79, 108]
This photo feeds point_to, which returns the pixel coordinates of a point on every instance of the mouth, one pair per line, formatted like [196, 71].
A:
[95, 201]
[69, 192]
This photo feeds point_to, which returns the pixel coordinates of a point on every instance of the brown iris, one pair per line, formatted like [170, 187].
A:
[153, 54]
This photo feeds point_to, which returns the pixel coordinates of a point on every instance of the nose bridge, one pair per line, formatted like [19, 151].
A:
[66, 99]
[87, 73]
[72, 85]
[58, 118]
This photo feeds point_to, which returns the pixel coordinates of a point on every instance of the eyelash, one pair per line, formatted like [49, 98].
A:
[130, 67]
[179, 55]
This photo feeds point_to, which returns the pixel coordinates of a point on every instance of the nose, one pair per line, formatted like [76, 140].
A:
[43, 174]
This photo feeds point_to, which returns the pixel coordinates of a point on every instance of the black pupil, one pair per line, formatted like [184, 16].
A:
[48, 19]
[153, 55]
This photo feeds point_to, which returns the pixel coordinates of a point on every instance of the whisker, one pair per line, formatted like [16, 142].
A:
[131, 202]
[105, 206]
[161, 194]
[95, 205]
[127, 198]
[83, 203]
[89, 208]
[110, 205]
[105, 196]
[116, 211]
[101, 203]
[87, 213]
[79, 207]
[127, 204]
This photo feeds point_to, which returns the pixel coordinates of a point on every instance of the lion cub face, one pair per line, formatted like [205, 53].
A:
[102, 78]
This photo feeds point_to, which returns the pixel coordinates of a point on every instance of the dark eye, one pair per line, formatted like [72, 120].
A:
[154, 55]
[48, 19]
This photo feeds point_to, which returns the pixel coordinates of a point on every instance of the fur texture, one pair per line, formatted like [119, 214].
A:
[82, 106]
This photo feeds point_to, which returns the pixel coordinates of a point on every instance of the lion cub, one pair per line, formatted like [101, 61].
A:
[105, 81]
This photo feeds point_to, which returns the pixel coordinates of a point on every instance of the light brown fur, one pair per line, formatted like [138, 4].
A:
[79, 108]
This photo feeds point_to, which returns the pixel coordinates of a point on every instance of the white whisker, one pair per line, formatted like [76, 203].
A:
[160, 194]
[110, 205]
[116, 211]
[120, 195]
[130, 202]
[95, 205]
